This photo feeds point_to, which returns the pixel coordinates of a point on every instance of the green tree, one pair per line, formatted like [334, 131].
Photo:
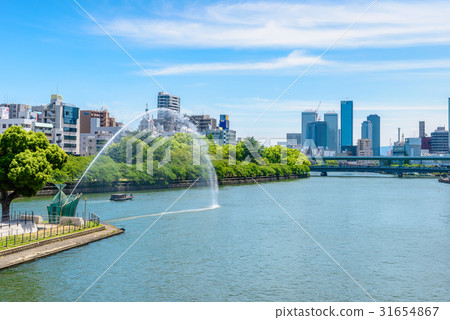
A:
[27, 160]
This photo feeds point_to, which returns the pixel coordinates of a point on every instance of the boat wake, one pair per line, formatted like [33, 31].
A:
[164, 213]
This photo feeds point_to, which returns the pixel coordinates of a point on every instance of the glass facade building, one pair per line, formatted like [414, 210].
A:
[331, 118]
[307, 117]
[318, 132]
[346, 123]
[376, 132]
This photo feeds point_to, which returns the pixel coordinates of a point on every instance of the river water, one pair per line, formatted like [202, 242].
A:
[392, 235]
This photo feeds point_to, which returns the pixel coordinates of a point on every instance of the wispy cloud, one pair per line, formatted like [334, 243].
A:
[294, 59]
[291, 25]
[298, 59]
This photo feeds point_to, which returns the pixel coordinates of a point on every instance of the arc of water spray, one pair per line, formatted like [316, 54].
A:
[211, 171]
[107, 145]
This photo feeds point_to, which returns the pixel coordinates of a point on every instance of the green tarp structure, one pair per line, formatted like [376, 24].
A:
[62, 205]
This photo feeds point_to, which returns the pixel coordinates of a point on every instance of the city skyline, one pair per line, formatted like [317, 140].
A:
[404, 80]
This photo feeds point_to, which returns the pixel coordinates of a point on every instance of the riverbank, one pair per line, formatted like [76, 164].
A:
[30, 252]
[182, 184]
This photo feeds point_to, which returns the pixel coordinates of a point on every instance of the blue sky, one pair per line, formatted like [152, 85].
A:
[234, 57]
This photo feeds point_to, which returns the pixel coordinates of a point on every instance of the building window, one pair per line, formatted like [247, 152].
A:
[70, 115]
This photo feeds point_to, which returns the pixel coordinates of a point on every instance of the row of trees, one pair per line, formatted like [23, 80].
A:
[28, 161]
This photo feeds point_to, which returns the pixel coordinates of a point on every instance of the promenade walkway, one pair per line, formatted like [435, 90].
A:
[45, 248]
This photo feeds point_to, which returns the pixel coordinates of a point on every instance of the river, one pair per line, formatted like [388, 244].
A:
[392, 235]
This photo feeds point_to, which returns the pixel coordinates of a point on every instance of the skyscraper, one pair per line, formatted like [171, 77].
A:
[318, 132]
[421, 129]
[331, 118]
[376, 133]
[307, 117]
[346, 123]
[366, 131]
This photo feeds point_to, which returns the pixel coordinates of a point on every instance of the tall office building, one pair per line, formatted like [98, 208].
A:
[318, 132]
[331, 118]
[422, 129]
[376, 133]
[346, 124]
[366, 131]
[307, 117]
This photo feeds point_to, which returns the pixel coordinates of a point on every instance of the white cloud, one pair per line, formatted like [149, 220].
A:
[298, 59]
[294, 59]
[292, 25]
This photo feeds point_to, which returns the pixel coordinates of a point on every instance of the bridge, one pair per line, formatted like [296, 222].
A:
[440, 165]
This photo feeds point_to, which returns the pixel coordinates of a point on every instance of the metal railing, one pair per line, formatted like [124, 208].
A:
[40, 231]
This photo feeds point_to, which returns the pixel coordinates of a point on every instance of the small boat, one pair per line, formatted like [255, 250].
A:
[444, 179]
[121, 197]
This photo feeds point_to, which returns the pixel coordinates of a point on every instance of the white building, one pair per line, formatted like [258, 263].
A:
[7, 123]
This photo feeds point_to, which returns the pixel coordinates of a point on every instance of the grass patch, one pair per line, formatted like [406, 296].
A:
[44, 234]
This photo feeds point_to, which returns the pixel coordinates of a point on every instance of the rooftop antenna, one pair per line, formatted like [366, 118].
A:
[146, 107]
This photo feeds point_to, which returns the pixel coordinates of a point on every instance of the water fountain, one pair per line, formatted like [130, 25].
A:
[166, 124]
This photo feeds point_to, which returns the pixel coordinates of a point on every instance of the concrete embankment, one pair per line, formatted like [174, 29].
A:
[130, 186]
[30, 252]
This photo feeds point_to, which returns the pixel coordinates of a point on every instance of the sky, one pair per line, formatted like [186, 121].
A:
[236, 58]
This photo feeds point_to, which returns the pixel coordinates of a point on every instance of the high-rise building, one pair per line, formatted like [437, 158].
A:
[376, 134]
[168, 112]
[439, 141]
[65, 119]
[331, 118]
[168, 101]
[366, 131]
[422, 129]
[318, 132]
[346, 123]
[307, 117]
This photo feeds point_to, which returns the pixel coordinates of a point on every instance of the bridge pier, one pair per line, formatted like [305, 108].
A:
[323, 174]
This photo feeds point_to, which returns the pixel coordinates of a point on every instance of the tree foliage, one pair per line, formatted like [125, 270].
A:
[27, 161]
